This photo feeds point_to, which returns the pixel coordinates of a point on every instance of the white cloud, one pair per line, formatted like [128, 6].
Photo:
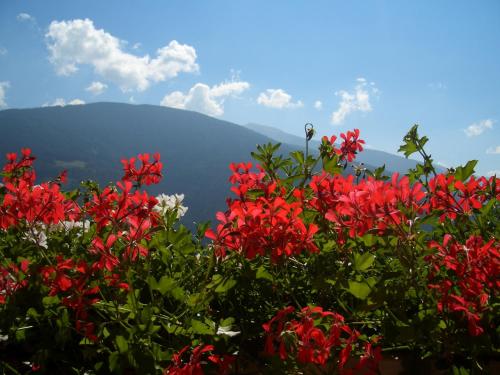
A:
[25, 17]
[76, 102]
[205, 99]
[493, 150]
[60, 102]
[277, 98]
[3, 88]
[78, 42]
[493, 173]
[318, 105]
[358, 100]
[136, 46]
[478, 128]
[97, 88]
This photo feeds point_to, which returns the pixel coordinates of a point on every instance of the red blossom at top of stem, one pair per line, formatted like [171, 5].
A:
[148, 173]
[350, 146]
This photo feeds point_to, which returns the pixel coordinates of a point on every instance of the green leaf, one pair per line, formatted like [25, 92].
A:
[369, 239]
[50, 301]
[462, 173]
[362, 289]
[216, 280]
[178, 293]
[298, 156]
[228, 322]
[409, 147]
[152, 282]
[202, 328]
[328, 247]
[113, 360]
[460, 371]
[21, 335]
[225, 286]
[378, 173]
[165, 284]
[363, 261]
[121, 343]
[263, 274]
[105, 333]
[331, 165]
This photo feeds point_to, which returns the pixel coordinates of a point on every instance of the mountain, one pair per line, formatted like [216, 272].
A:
[90, 140]
[393, 163]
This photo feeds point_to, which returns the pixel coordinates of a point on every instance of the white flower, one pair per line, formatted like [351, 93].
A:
[38, 234]
[69, 225]
[168, 203]
[227, 331]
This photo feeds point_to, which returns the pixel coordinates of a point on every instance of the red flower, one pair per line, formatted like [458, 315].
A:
[149, 172]
[263, 225]
[350, 145]
[12, 278]
[368, 205]
[194, 365]
[464, 277]
[307, 338]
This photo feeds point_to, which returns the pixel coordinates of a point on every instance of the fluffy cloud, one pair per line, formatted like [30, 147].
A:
[277, 98]
[493, 173]
[97, 88]
[76, 102]
[3, 88]
[78, 42]
[478, 128]
[25, 17]
[357, 100]
[205, 99]
[60, 102]
[493, 150]
[318, 105]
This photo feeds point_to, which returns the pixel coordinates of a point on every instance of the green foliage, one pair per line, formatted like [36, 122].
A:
[183, 293]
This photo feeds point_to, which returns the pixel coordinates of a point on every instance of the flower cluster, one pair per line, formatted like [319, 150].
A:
[317, 336]
[130, 214]
[370, 205]
[149, 172]
[12, 278]
[71, 280]
[170, 203]
[16, 170]
[465, 277]
[265, 225]
[349, 147]
[194, 365]
[453, 197]
[124, 219]
[26, 203]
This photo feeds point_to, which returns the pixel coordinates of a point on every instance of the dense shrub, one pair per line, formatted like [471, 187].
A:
[309, 270]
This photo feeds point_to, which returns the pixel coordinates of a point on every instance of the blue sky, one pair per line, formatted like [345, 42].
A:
[379, 66]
